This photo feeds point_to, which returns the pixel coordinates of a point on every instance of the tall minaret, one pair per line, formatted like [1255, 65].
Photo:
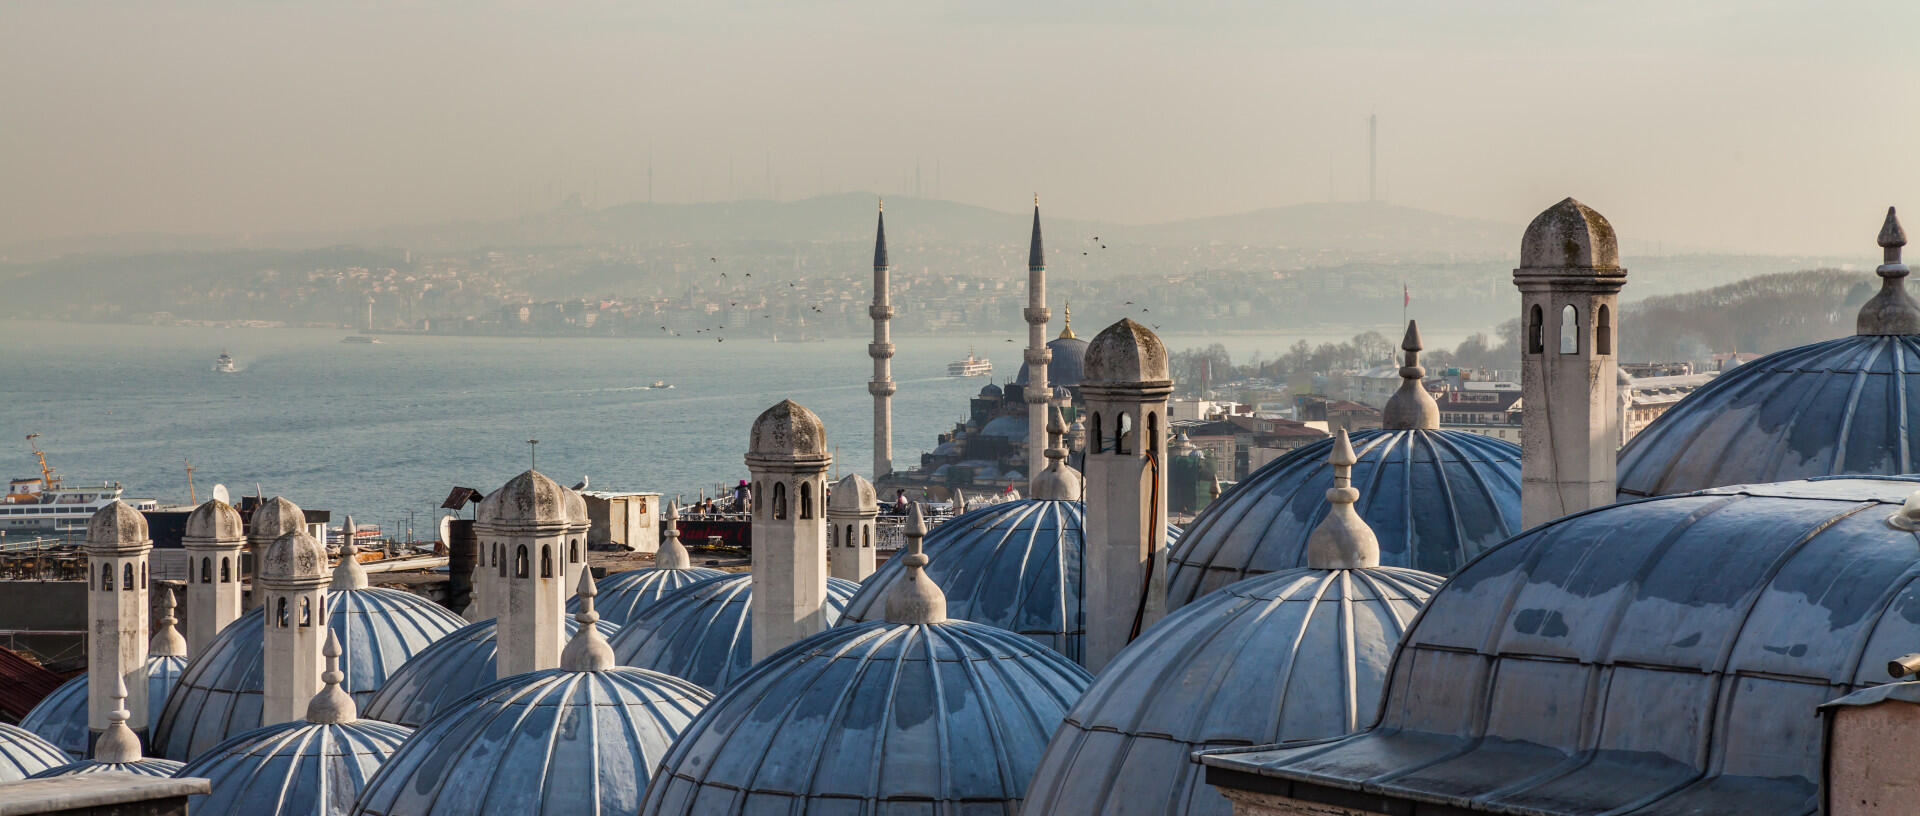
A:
[850, 518]
[1126, 389]
[788, 459]
[1038, 392]
[272, 519]
[116, 548]
[1569, 280]
[292, 584]
[213, 539]
[881, 350]
[529, 520]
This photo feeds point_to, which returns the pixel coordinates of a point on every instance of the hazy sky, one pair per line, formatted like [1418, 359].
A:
[1770, 126]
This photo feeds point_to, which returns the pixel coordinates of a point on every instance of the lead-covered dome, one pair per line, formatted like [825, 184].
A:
[1838, 407]
[1658, 656]
[704, 632]
[788, 429]
[553, 741]
[1015, 565]
[61, 717]
[293, 769]
[940, 718]
[625, 595]
[447, 671]
[1435, 499]
[220, 694]
[22, 754]
[1067, 367]
[144, 766]
[1299, 654]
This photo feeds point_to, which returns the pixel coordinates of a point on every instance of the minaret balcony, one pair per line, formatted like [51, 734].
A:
[880, 351]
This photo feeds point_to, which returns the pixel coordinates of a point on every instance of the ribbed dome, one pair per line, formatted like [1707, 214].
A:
[293, 769]
[61, 717]
[880, 718]
[530, 497]
[788, 429]
[704, 632]
[220, 693]
[1299, 654]
[1839, 407]
[853, 494]
[624, 595]
[548, 742]
[1126, 352]
[145, 766]
[1659, 656]
[215, 520]
[1068, 366]
[23, 754]
[1014, 565]
[1435, 499]
[1569, 235]
[274, 518]
[116, 523]
[443, 674]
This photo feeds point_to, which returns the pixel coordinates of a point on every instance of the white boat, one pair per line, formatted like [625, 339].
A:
[970, 367]
[358, 338]
[42, 504]
[224, 363]
[660, 385]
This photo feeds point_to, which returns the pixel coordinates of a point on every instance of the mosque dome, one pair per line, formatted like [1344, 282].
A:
[144, 766]
[1297, 654]
[1015, 565]
[117, 523]
[118, 748]
[1660, 656]
[61, 717]
[1068, 366]
[1569, 235]
[1127, 352]
[451, 668]
[1006, 427]
[581, 738]
[788, 429]
[990, 391]
[531, 497]
[215, 520]
[853, 494]
[22, 754]
[1435, 499]
[875, 718]
[624, 595]
[703, 632]
[220, 693]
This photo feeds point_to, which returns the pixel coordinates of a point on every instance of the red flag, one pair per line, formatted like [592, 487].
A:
[1406, 297]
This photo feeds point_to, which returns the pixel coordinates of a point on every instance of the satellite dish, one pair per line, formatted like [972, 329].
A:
[220, 494]
[446, 530]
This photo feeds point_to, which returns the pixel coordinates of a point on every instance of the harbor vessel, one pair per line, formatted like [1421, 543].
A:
[224, 363]
[44, 504]
[970, 367]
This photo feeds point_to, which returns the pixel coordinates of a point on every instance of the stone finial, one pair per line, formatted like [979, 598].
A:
[959, 501]
[588, 650]
[914, 599]
[118, 744]
[672, 554]
[1215, 490]
[349, 574]
[333, 705]
[1343, 540]
[1411, 408]
[167, 641]
[1908, 517]
[1891, 310]
[1059, 482]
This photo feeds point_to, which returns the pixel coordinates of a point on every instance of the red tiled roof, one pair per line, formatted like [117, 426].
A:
[23, 683]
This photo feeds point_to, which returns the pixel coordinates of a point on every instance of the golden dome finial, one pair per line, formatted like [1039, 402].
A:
[1036, 199]
[1066, 316]
[883, 205]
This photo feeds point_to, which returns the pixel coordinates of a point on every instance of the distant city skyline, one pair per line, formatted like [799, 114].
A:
[1764, 127]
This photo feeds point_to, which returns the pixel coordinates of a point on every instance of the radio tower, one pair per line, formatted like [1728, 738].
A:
[1373, 129]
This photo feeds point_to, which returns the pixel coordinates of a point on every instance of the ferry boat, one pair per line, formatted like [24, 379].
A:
[660, 385]
[43, 504]
[224, 363]
[970, 367]
[358, 338]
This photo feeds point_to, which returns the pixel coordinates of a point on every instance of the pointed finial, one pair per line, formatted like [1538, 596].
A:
[1059, 482]
[333, 705]
[959, 501]
[118, 744]
[672, 554]
[880, 240]
[1215, 490]
[1066, 316]
[1891, 310]
[883, 204]
[349, 574]
[1036, 257]
[167, 641]
[1343, 540]
[1036, 199]
[914, 599]
[588, 650]
[1411, 408]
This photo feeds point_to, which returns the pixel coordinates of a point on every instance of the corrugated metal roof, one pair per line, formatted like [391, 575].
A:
[23, 684]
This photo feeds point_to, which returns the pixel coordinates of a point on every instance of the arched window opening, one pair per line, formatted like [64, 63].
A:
[126, 577]
[866, 535]
[1603, 331]
[226, 570]
[1099, 438]
[1569, 330]
[206, 570]
[494, 551]
[280, 614]
[143, 575]
[806, 500]
[106, 577]
[546, 561]
[833, 536]
[573, 552]
[306, 613]
[779, 501]
[1123, 433]
[520, 565]
[500, 558]
[1536, 331]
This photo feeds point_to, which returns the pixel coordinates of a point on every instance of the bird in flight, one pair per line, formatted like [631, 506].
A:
[715, 260]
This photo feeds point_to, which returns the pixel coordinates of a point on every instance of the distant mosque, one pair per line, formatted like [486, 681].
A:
[1719, 619]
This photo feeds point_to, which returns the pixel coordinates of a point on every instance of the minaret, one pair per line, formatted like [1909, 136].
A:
[1059, 481]
[1411, 408]
[850, 519]
[213, 539]
[272, 519]
[292, 583]
[881, 350]
[116, 548]
[1343, 540]
[166, 641]
[672, 554]
[1569, 280]
[1038, 355]
[788, 459]
[914, 599]
[1891, 310]
[1126, 389]
[528, 519]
